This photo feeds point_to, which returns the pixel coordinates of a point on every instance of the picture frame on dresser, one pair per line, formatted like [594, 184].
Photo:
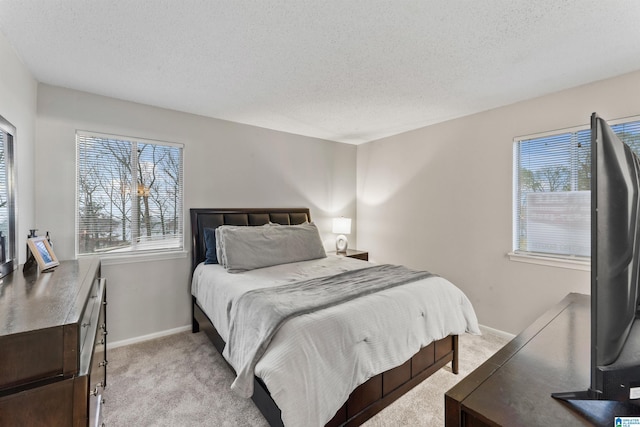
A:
[43, 253]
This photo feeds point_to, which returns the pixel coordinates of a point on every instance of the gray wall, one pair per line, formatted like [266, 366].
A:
[440, 198]
[18, 105]
[226, 165]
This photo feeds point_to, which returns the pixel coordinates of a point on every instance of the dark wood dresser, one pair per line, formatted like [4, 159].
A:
[53, 346]
[513, 387]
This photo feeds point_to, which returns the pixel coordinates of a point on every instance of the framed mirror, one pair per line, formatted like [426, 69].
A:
[8, 211]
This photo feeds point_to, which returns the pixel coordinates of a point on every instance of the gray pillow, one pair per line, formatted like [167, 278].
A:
[247, 248]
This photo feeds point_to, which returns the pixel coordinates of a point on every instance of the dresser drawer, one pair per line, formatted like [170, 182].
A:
[99, 362]
[88, 322]
[96, 418]
[31, 356]
[51, 405]
[98, 369]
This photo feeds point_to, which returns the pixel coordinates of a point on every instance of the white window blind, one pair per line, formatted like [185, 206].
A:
[4, 186]
[7, 193]
[129, 194]
[552, 191]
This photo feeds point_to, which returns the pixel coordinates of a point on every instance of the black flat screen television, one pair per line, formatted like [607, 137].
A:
[615, 269]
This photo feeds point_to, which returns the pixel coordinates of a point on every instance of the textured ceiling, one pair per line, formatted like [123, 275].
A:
[348, 71]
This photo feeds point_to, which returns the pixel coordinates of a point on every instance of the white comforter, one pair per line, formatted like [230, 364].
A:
[316, 360]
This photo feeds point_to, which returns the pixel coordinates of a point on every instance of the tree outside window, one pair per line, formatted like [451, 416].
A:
[552, 211]
[129, 194]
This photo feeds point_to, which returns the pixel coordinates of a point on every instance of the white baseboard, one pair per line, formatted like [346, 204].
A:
[497, 332]
[143, 338]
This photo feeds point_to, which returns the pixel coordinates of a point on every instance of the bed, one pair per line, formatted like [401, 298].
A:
[287, 372]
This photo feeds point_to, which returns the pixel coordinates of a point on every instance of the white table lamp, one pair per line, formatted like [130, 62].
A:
[341, 226]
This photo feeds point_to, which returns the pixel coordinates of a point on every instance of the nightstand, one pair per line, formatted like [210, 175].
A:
[354, 253]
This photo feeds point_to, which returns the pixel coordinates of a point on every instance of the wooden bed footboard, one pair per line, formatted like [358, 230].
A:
[367, 399]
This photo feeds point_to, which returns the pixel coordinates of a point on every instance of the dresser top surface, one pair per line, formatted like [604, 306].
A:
[552, 355]
[33, 301]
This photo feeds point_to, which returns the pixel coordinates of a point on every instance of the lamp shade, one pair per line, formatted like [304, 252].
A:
[342, 225]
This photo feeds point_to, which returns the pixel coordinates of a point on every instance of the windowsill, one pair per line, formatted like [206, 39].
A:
[573, 264]
[130, 258]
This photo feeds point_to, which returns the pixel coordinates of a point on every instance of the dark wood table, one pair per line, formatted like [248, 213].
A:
[513, 388]
[355, 253]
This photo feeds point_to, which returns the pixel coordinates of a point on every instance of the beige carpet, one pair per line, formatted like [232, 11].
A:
[181, 380]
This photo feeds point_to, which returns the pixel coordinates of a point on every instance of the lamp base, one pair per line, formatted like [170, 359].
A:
[341, 244]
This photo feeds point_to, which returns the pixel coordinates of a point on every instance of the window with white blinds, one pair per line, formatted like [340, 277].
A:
[129, 194]
[552, 191]
[4, 186]
[8, 213]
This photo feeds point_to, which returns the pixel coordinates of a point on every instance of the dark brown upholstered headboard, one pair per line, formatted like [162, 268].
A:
[212, 218]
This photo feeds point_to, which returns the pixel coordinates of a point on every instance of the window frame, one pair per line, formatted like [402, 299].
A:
[132, 255]
[11, 240]
[553, 260]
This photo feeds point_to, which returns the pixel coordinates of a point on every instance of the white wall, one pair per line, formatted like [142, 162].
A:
[18, 91]
[440, 198]
[226, 165]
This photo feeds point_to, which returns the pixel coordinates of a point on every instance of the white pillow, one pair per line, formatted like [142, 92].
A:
[246, 248]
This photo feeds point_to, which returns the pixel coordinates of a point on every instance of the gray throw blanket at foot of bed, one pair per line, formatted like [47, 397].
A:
[258, 314]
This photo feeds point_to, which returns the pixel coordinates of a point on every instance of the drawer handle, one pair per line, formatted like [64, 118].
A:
[84, 325]
[94, 392]
[103, 363]
[101, 341]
